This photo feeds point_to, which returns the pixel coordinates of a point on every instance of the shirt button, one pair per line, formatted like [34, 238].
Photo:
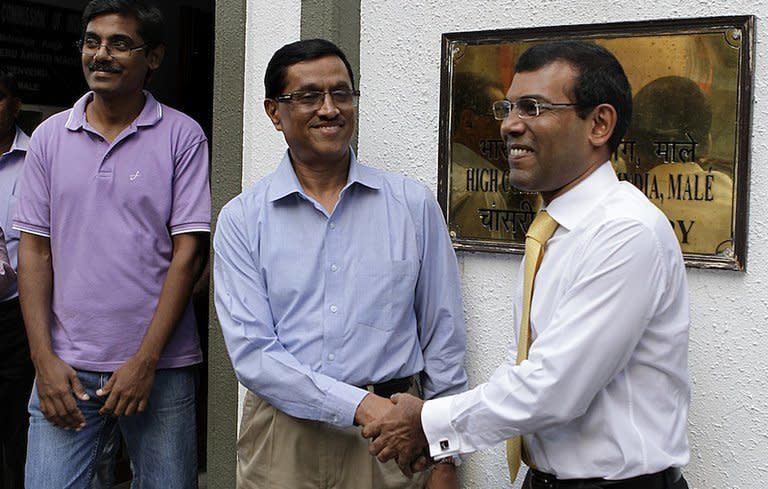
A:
[334, 309]
[334, 268]
[332, 225]
[331, 357]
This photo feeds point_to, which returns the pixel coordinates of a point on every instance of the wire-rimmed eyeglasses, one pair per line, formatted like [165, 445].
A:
[116, 49]
[527, 108]
[313, 99]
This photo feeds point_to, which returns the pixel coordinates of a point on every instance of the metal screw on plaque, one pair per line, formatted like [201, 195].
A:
[733, 38]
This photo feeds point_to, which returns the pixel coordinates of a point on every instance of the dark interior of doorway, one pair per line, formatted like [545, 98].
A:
[185, 82]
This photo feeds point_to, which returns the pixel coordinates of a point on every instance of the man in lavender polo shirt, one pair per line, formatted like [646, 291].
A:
[114, 215]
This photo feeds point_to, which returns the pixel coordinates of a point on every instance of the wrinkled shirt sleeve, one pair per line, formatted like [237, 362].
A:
[439, 308]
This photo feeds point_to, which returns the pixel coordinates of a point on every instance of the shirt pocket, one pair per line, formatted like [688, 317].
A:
[385, 293]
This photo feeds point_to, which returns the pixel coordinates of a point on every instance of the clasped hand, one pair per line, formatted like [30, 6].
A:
[128, 389]
[394, 426]
[59, 388]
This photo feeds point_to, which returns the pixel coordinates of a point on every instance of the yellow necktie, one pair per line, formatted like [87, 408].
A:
[542, 228]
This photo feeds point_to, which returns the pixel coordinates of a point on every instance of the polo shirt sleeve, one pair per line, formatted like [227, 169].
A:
[33, 210]
[191, 211]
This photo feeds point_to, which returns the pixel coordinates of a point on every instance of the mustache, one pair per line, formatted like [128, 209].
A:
[104, 66]
[323, 120]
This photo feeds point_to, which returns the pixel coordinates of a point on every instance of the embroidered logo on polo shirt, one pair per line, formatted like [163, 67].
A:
[135, 175]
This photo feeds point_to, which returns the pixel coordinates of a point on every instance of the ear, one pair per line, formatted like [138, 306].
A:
[603, 124]
[155, 56]
[270, 107]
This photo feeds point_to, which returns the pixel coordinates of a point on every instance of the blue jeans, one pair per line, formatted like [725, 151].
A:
[161, 441]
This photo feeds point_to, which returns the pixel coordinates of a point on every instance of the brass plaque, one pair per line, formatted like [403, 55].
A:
[687, 147]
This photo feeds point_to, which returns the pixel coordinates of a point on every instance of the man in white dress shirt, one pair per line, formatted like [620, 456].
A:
[602, 400]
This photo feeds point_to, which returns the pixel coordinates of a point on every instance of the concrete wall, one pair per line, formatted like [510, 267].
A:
[263, 145]
[398, 130]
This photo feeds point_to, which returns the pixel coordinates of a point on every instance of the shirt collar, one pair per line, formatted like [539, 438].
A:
[20, 142]
[285, 182]
[574, 205]
[150, 115]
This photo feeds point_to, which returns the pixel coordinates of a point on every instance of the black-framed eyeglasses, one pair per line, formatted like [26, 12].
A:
[313, 99]
[116, 49]
[527, 108]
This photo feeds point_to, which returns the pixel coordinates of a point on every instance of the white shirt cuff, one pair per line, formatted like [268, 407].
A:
[436, 421]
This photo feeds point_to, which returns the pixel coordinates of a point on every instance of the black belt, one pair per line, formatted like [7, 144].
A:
[394, 386]
[9, 305]
[659, 480]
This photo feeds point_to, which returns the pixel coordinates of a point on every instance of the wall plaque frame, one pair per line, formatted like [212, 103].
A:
[687, 148]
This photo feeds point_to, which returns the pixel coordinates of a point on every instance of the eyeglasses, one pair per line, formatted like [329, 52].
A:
[313, 99]
[527, 108]
[116, 49]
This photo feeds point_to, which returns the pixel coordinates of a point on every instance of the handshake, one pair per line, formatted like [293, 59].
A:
[394, 427]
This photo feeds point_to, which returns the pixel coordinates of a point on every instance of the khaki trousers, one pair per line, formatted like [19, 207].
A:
[277, 451]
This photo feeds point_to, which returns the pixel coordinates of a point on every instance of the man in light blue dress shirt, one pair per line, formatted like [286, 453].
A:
[7, 273]
[336, 287]
[16, 370]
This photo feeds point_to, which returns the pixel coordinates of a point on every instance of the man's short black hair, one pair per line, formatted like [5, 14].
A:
[295, 52]
[600, 80]
[8, 80]
[149, 17]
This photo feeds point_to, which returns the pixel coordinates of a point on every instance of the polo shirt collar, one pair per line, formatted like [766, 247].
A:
[20, 142]
[150, 115]
[285, 182]
[576, 204]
